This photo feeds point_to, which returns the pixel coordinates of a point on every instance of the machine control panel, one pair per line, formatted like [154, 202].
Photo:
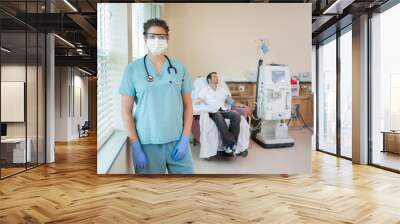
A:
[274, 93]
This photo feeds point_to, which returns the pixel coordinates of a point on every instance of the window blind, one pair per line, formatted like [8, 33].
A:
[105, 106]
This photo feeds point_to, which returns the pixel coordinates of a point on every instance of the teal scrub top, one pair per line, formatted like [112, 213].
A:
[158, 111]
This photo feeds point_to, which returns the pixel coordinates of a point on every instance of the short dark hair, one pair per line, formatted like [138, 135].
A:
[209, 76]
[155, 22]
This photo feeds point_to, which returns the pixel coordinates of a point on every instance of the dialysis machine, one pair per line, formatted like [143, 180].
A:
[273, 106]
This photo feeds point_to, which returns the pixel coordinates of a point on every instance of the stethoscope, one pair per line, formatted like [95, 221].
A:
[150, 78]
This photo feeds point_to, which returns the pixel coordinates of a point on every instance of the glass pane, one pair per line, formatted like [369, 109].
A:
[23, 89]
[327, 97]
[31, 98]
[386, 89]
[13, 86]
[346, 94]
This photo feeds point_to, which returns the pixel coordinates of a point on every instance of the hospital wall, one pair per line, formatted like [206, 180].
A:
[223, 37]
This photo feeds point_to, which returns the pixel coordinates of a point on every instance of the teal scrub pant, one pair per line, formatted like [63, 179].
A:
[159, 158]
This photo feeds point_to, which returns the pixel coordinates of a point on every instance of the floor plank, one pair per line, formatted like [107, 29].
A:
[70, 191]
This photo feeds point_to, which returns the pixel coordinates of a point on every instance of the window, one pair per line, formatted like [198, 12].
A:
[334, 100]
[327, 97]
[346, 93]
[104, 96]
[137, 23]
[112, 58]
[394, 101]
[140, 14]
[385, 89]
[22, 87]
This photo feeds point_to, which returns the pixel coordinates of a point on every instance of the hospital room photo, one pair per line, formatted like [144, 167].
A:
[200, 88]
[200, 111]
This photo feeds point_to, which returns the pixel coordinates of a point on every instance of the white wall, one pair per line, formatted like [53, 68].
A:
[222, 37]
[61, 103]
[67, 81]
[33, 127]
[79, 117]
[15, 73]
[12, 73]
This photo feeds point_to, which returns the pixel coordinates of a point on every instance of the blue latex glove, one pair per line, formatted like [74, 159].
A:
[139, 158]
[181, 148]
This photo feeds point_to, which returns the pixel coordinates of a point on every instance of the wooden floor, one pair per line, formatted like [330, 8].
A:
[70, 191]
[387, 159]
[10, 171]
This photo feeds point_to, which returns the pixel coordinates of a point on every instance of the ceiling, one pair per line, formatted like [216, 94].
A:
[74, 22]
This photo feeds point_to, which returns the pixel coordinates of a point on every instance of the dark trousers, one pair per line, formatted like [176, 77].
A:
[229, 135]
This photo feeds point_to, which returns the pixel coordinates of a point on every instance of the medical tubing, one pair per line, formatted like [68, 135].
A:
[257, 128]
[305, 125]
[304, 122]
[260, 61]
[254, 115]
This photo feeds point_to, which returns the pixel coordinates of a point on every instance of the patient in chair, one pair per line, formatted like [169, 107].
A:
[220, 98]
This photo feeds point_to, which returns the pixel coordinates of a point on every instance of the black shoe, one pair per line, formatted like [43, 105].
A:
[227, 154]
[228, 150]
[244, 153]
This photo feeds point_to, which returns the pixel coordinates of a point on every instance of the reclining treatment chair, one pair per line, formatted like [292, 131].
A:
[205, 131]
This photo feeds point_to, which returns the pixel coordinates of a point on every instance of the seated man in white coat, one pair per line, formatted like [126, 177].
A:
[220, 98]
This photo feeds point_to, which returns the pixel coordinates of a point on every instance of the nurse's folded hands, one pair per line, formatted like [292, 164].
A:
[139, 158]
[181, 148]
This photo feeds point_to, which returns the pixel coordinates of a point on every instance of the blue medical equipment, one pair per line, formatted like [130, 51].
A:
[150, 78]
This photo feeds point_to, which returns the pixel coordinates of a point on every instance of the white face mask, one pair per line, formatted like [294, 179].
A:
[156, 46]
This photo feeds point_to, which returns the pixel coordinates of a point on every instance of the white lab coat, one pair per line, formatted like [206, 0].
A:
[210, 139]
